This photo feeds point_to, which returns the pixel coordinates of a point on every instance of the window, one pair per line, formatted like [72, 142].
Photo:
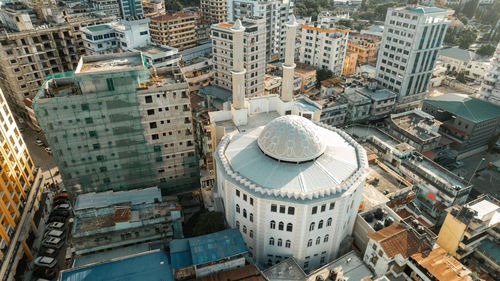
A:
[281, 226]
[244, 197]
[273, 224]
[111, 86]
[244, 213]
[291, 210]
[288, 244]
[271, 241]
[323, 208]
[251, 217]
[148, 99]
[309, 243]
[332, 205]
[85, 106]
[251, 234]
[322, 260]
[326, 238]
[155, 136]
[237, 208]
[311, 226]
[282, 209]
[89, 120]
[274, 208]
[251, 201]
[280, 242]
[314, 210]
[244, 229]
[289, 227]
[238, 224]
[318, 240]
[152, 125]
[329, 222]
[320, 224]
[151, 111]
[237, 193]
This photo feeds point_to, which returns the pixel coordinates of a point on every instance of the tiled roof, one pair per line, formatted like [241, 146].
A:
[396, 239]
[466, 107]
[441, 265]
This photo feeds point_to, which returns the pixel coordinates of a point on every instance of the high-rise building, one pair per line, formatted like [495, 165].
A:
[276, 14]
[490, 88]
[410, 44]
[115, 126]
[214, 11]
[131, 8]
[21, 189]
[324, 46]
[107, 7]
[254, 54]
[29, 55]
[177, 30]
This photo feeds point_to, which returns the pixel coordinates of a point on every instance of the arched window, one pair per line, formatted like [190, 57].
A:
[237, 208]
[289, 227]
[320, 224]
[271, 241]
[269, 262]
[244, 213]
[251, 217]
[318, 240]
[288, 244]
[281, 226]
[311, 226]
[273, 224]
[326, 238]
[329, 222]
[238, 224]
[244, 229]
[251, 233]
[280, 242]
[309, 243]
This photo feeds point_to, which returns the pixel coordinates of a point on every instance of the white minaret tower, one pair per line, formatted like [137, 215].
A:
[289, 65]
[238, 72]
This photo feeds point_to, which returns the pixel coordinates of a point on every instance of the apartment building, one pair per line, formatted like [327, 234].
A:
[490, 88]
[21, 190]
[413, 36]
[118, 126]
[110, 8]
[28, 56]
[350, 63]
[365, 45]
[176, 30]
[323, 46]
[276, 14]
[116, 36]
[214, 11]
[254, 55]
[131, 8]
[153, 8]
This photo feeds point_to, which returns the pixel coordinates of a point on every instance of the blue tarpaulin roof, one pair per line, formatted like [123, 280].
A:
[206, 248]
[154, 266]
[492, 249]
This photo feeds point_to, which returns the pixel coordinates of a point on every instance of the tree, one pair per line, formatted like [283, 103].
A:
[467, 37]
[461, 77]
[346, 23]
[486, 50]
[461, 17]
[324, 74]
[204, 222]
[450, 38]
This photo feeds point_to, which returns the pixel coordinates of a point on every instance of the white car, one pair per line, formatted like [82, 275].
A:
[52, 242]
[48, 150]
[39, 142]
[54, 233]
[45, 262]
[55, 225]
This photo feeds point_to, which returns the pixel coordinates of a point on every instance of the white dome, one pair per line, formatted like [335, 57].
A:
[291, 138]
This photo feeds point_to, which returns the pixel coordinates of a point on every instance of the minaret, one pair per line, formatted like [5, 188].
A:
[238, 72]
[289, 65]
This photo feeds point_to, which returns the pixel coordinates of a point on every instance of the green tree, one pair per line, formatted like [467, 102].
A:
[461, 77]
[346, 23]
[324, 74]
[461, 17]
[450, 38]
[467, 37]
[486, 50]
[204, 222]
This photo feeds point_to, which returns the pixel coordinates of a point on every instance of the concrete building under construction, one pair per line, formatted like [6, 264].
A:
[114, 125]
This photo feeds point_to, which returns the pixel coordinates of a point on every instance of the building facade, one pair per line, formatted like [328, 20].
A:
[254, 51]
[131, 9]
[410, 45]
[365, 45]
[276, 14]
[283, 213]
[21, 191]
[324, 47]
[107, 7]
[176, 30]
[457, 60]
[490, 88]
[119, 126]
[214, 11]
[350, 63]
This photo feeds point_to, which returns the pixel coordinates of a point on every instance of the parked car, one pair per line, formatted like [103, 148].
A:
[54, 233]
[48, 150]
[52, 242]
[44, 272]
[55, 225]
[39, 142]
[62, 207]
[48, 252]
[61, 200]
[43, 261]
[56, 218]
[60, 213]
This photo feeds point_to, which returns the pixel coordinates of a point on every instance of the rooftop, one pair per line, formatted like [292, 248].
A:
[174, 16]
[397, 239]
[417, 123]
[491, 249]
[110, 198]
[459, 54]
[442, 265]
[154, 265]
[207, 248]
[97, 28]
[376, 94]
[246, 273]
[466, 107]
[155, 50]
[110, 254]
[110, 63]
[218, 92]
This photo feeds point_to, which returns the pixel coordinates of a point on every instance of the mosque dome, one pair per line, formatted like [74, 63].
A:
[291, 138]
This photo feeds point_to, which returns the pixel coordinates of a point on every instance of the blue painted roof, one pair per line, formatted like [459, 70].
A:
[180, 253]
[305, 105]
[492, 249]
[218, 92]
[154, 266]
[109, 198]
[206, 248]
[427, 10]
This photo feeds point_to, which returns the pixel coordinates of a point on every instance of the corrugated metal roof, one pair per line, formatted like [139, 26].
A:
[180, 253]
[104, 199]
[466, 107]
[154, 266]
[492, 249]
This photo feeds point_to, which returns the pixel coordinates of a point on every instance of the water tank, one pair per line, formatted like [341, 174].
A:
[378, 226]
[420, 229]
[319, 278]
[388, 221]
[379, 213]
[414, 223]
[369, 217]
